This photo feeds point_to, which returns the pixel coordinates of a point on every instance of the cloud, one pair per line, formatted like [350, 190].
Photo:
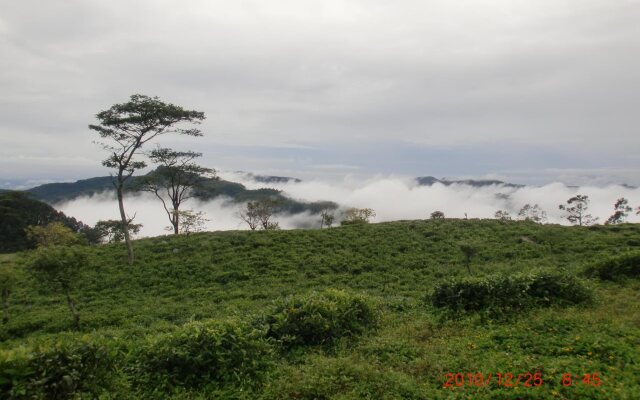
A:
[323, 79]
[393, 198]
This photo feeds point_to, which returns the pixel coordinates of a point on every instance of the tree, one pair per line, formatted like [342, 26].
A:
[53, 234]
[174, 181]
[128, 127]
[190, 221]
[502, 215]
[267, 207]
[468, 250]
[621, 211]
[437, 215]
[259, 213]
[326, 218]
[576, 210]
[532, 213]
[358, 215]
[114, 231]
[272, 226]
[59, 268]
[249, 214]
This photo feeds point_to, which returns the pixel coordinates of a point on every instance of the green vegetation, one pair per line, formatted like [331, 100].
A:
[617, 268]
[18, 211]
[341, 313]
[202, 354]
[502, 295]
[320, 318]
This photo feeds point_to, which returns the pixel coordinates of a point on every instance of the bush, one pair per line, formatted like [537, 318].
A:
[617, 268]
[342, 378]
[56, 370]
[510, 293]
[320, 317]
[203, 353]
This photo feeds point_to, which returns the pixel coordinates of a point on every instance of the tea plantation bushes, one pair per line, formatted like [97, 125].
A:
[203, 353]
[505, 293]
[343, 378]
[320, 317]
[57, 370]
[617, 268]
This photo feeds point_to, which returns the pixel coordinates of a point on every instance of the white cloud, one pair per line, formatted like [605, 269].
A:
[393, 198]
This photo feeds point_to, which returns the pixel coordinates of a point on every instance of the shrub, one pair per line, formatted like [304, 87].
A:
[56, 370]
[502, 294]
[320, 317]
[203, 353]
[342, 378]
[59, 267]
[617, 268]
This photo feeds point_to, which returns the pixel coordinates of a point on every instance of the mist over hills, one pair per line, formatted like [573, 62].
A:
[392, 198]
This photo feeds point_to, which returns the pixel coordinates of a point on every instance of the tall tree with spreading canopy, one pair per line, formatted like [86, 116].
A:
[174, 181]
[621, 210]
[127, 127]
[576, 210]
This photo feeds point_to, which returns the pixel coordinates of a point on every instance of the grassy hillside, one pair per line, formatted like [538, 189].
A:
[148, 316]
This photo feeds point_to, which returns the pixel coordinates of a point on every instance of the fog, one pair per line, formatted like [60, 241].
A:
[392, 198]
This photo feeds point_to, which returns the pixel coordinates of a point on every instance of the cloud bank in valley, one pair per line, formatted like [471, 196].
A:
[393, 198]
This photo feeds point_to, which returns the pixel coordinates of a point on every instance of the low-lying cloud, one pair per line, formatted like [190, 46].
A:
[392, 198]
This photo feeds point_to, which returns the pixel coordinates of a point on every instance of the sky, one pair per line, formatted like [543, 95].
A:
[530, 92]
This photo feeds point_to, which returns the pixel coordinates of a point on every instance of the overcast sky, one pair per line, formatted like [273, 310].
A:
[521, 90]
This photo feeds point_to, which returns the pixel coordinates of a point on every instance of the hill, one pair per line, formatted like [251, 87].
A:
[18, 210]
[152, 313]
[430, 180]
[53, 193]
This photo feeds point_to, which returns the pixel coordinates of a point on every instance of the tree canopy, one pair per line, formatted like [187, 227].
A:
[127, 127]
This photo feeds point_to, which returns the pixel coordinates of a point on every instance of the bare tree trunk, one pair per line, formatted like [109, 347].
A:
[176, 220]
[74, 312]
[125, 223]
[5, 305]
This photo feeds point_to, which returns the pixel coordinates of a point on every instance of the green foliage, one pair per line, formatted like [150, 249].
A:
[58, 267]
[57, 370]
[342, 378]
[469, 250]
[53, 234]
[617, 268]
[19, 211]
[320, 317]
[219, 275]
[203, 353]
[502, 294]
[113, 230]
[358, 216]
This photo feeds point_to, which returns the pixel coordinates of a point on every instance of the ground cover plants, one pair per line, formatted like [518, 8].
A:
[359, 311]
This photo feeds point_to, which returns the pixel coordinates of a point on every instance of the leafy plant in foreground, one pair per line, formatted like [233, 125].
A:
[201, 354]
[320, 317]
[59, 267]
[502, 294]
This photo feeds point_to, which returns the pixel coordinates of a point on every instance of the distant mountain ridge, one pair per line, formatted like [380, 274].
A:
[53, 193]
[430, 180]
